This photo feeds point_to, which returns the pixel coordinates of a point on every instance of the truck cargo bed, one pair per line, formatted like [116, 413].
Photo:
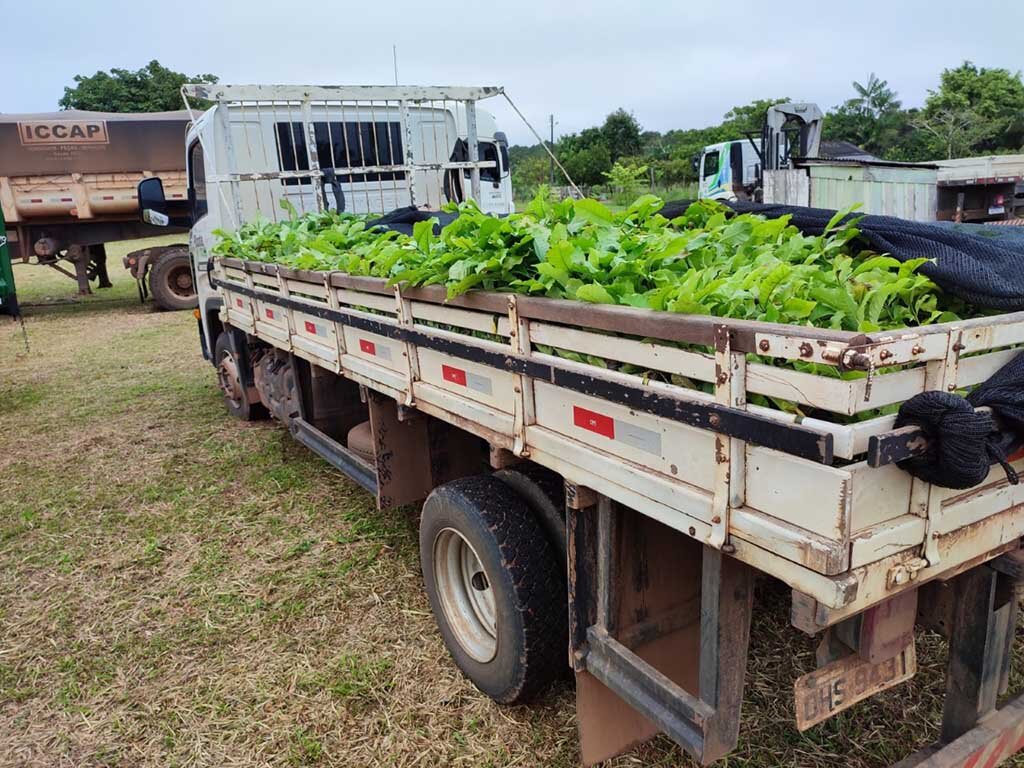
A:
[816, 502]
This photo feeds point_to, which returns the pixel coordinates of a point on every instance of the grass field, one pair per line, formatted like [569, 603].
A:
[181, 589]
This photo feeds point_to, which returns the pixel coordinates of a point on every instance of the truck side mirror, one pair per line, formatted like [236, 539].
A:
[152, 203]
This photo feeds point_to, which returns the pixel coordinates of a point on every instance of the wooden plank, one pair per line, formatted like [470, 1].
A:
[799, 545]
[838, 686]
[727, 594]
[878, 495]
[885, 539]
[484, 322]
[783, 488]
[466, 379]
[970, 693]
[695, 329]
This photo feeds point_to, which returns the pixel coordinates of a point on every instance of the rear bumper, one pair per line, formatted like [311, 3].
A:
[996, 738]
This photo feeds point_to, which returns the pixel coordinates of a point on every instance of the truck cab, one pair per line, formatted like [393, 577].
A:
[363, 157]
[729, 170]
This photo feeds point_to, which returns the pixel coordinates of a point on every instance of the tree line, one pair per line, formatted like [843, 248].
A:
[973, 111]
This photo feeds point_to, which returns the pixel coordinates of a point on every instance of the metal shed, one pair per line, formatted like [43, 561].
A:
[905, 190]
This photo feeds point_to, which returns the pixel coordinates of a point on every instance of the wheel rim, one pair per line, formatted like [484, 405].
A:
[179, 282]
[228, 379]
[466, 596]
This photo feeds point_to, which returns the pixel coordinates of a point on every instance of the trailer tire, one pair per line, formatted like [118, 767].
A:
[230, 360]
[515, 647]
[170, 281]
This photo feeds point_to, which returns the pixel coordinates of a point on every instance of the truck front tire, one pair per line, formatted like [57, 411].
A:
[232, 361]
[170, 281]
[496, 587]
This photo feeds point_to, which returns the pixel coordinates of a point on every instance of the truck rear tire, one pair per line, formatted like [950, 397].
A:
[496, 587]
[231, 362]
[544, 491]
[170, 281]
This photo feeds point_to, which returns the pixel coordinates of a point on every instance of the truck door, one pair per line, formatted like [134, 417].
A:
[710, 180]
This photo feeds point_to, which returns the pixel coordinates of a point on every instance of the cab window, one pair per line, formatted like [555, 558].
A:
[197, 181]
[342, 146]
[711, 163]
[488, 152]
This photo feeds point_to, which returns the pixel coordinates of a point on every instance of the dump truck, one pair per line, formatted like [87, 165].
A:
[595, 519]
[68, 186]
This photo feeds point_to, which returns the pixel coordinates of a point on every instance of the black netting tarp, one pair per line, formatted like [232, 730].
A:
[403, 219]
[983, 265]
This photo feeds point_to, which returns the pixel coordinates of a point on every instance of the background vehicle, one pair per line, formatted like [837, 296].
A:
[8, 294]
[981, 188]
[801, 169]
[67, 186]
[660, 502]
[730, 170]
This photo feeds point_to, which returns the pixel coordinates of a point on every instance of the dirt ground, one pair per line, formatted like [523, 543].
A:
[181, 589]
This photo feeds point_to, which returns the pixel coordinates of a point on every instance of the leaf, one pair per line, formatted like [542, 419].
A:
[595, 294]
[798, 308]
[593, 211]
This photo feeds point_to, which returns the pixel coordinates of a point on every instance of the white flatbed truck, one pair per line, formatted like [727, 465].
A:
[583, 516]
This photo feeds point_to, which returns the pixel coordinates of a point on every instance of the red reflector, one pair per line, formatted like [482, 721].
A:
[310, 327]
[270, 313]
[368, 347]
[108, 197]
[238, 302]
[67, 199]
[35, 200]
[593, 421]
[454, 375]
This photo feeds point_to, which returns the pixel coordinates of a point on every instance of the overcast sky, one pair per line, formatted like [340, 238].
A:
[674, 64]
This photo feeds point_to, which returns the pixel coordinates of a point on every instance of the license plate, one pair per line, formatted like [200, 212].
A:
[828, 691]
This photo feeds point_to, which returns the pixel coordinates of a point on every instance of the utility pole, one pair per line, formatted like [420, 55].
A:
[551, 146]
[394, 56]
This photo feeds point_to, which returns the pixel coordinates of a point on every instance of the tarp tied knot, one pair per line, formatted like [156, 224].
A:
[963, 443]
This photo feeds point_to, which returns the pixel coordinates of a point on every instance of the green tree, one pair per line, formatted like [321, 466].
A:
[955, 130]
[872, 119]
[587, 164]
[621, 133]
[976, 110]
[748, 118]
[874, 97]
[154, 88]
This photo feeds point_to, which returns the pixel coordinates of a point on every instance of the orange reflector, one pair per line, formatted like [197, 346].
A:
[195, 313]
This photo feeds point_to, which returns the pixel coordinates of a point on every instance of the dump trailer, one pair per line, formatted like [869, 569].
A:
[589, 518]
[8, 293]
[981, 188]
[68, 186]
